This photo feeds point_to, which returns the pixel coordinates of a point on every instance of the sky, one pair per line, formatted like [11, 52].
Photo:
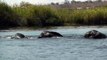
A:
[11, 2]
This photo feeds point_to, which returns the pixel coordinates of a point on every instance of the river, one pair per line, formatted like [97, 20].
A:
[73, 46]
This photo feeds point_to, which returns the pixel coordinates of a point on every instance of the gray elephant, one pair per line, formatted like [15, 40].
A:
[49, 34]
[94, 34]
[18, 36]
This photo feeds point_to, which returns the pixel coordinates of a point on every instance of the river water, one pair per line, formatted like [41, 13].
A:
[73, 46]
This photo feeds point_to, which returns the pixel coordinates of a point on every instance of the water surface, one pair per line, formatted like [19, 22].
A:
[73, 46]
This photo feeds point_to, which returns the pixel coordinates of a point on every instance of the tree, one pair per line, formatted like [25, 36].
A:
[7, 16]
[66, 2]
[99, 0]
[24, 4]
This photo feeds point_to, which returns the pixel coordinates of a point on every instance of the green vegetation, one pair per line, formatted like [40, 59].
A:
[7, 17]
[28, 15]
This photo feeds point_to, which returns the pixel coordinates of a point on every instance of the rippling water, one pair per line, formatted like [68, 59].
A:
[71, 47]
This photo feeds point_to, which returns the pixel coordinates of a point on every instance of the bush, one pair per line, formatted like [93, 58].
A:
[7, 16]
[29, 15]
[43, 16]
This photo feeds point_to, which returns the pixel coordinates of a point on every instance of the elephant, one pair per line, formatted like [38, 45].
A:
[49, 34]
[18, 36]
[94, 34]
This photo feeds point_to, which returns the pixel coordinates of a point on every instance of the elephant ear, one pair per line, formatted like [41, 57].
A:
[97, 33]
[47, 33]
[19, 35]
[87, 34]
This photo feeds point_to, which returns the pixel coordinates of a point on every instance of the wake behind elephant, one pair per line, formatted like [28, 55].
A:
[49, 34]
[94, 34]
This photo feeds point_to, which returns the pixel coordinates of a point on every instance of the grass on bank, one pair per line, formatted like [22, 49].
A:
[29, 15]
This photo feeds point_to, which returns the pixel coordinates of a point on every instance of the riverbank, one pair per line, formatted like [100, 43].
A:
[49, 28]
[40, 16]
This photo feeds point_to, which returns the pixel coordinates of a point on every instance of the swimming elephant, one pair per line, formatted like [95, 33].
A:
[49, 34]
[18, 36]
[94, 34]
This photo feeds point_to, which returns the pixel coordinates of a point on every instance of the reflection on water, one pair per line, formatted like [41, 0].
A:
[71, 47]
